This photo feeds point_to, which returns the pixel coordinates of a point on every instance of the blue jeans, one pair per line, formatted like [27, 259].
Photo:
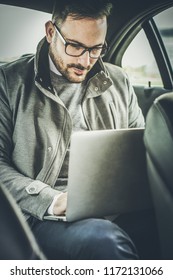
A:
[89, 239]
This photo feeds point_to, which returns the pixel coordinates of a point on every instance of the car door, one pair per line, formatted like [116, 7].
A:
[158, 71]
[145, 51]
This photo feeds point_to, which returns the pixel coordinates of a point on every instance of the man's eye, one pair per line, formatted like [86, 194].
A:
[97, 50]
[76, 47]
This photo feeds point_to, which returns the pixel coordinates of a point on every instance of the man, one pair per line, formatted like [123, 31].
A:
[43, 99]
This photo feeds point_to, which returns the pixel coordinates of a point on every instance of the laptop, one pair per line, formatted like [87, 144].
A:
[107, 174]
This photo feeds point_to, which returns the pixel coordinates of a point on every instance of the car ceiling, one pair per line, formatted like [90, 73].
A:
[41, 5]
[125, 5]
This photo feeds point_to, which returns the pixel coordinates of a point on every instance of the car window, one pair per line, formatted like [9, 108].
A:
[139, 61]
[164, 23]
[20, 31]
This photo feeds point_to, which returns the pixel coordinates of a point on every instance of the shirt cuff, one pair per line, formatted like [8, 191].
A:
[50, 209]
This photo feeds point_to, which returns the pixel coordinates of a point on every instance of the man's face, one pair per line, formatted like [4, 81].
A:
[86, 32]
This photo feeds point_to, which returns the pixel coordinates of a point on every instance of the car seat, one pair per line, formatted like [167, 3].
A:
[16, 239]
[158, 139]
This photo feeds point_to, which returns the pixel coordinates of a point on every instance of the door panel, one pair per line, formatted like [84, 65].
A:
[146, 96]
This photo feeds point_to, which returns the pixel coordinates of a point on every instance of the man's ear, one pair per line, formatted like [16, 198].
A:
[50, 30]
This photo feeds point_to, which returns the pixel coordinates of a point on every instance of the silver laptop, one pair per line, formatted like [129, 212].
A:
[107, 174]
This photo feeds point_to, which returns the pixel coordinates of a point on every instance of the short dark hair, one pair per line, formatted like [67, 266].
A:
[79, 9]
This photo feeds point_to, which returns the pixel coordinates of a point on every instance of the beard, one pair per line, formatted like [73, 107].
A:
[75, 73]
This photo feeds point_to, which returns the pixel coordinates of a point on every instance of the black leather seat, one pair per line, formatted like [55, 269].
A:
[16, 239]
[158, 139]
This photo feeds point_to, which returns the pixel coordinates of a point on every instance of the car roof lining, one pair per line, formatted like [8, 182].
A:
[40, 5]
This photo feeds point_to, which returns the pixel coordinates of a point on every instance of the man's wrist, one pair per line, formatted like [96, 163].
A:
[50, 209]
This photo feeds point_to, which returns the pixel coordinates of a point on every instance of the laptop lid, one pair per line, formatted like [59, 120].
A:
[107, 174]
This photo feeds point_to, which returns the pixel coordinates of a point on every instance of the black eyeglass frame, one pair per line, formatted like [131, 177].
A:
[103, 49]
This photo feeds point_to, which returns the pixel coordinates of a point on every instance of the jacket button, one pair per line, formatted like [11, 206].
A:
[105, 82]
[49, 149]
[96, 88]
[32, 190]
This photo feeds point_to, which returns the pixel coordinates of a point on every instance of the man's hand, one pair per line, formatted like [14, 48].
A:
[60, 205]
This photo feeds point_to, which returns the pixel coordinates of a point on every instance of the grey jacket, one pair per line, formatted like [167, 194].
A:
[35, 126]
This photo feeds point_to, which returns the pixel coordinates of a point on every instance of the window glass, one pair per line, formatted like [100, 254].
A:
[139, 62]
[20, 31]
[164, 23]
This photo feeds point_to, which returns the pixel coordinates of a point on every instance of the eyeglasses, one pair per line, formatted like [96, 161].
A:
[76, 50]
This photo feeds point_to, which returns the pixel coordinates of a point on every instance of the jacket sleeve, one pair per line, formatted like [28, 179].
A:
[128, 103]
[33, 196]
[136, 118]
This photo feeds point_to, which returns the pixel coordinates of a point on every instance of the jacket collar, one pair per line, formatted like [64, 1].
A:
[98, 78]
[42, 71]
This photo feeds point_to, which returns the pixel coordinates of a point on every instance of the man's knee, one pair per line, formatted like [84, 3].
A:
[102, 239]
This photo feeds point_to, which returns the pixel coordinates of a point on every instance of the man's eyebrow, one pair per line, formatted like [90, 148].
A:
[83, 45]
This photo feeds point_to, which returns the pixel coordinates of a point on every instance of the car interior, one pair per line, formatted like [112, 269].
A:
[154, 90]
[160, 166]
[16, 240]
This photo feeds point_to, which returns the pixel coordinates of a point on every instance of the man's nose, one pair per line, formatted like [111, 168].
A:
[84, 59]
